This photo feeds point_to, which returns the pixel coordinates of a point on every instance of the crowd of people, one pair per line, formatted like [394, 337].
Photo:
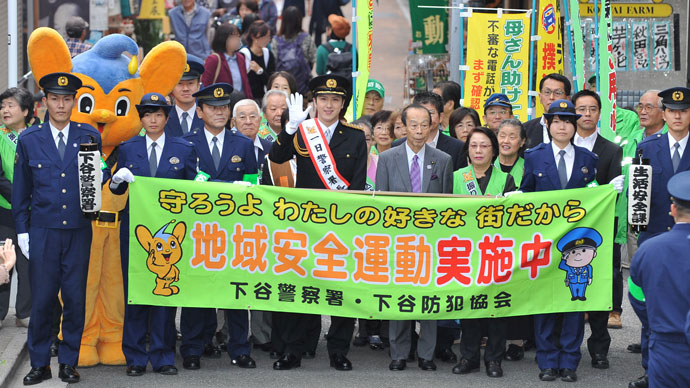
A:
[239, 97]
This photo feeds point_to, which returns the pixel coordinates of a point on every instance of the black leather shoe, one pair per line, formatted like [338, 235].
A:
[600, 361]
[37, 375]
[308, 355]
[568, 375]
[275, 355]
[360, 341]
[191, 363]
[54, 347]
[168, 370]
[426, 364]
[514, 353]
[398, 365]
[244, 361]
[642, 382]
[447, 355]
[548, 374]
[136, 370]
[465, 366]
[212, 351]
[635, 348]
[287, 362]
[493, 369]
[340, 362]
[68, 374]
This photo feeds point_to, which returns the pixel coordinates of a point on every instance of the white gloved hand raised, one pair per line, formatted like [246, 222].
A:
[297, 114]
[618, 183]
[123, 175]
[23, 242]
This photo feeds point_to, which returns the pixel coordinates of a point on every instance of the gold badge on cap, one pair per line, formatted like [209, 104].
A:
[331, 83]
[564, 105]
[218, 92]
[186, 68]
[580, 241]
[236, 159]
[154, 98]
[174, 160]
[677, 96]
[585, 170]
[62, 81]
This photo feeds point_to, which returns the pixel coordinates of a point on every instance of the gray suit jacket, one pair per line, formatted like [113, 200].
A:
[393, 171]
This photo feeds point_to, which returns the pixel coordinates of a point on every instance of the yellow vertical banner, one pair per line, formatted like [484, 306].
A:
[365, 39]
[549, 51]
[498, 60]
[152, 9]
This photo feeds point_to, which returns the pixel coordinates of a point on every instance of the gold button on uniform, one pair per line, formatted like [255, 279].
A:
[64, 191]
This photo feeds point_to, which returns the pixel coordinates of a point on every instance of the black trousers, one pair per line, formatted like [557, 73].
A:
[445, 336]
[600, 340]
[339, 335]
[617, 279]
[472, 339]
[23, 301]
[295, 333]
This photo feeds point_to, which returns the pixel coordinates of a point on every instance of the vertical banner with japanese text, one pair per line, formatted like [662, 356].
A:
[393, 256]
[498, 60]
[549, 51]
[365, 39]
[607, 74]
[429, 26]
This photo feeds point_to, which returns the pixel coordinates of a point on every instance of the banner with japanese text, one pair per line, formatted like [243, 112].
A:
[429, 26]
[379, 256]
[608, 90]
[549, 55]
[498, 60]
[365, 43]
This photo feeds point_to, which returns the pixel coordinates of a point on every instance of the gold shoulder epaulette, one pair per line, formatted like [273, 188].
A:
[302, 151]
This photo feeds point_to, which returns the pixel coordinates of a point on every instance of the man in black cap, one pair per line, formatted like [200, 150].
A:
[183, 116]
[46, 206]
[667, 155]
[340, 152]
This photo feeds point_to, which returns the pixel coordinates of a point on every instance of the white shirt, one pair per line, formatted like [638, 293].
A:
[328, 131]
[190, 115]
[569, 157]
[545, 129]
[586, 142]
[420, 161]
[435, 140]
[159, 147]
[671, 143]
[257, 147]
[209, 140]
[55, 132]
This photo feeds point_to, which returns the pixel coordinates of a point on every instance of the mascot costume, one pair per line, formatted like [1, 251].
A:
[113, 84]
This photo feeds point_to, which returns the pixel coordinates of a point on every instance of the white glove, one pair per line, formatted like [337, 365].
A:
[297, 115]
[618, 183]
[508, 194]
[243, 183]
[23, 242]
[123, 175]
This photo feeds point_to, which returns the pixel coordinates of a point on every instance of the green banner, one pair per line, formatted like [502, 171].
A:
[578, 46]
[369, 255]
[607, 74]
[429, 26]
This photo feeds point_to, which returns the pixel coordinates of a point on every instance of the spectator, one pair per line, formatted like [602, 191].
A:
[274, 104]
[398, 126]
[335, 56]
[383, 131]
[462, 121]
[450, 93]
[226, 64]
[295, 53]
[269, 13]
[261, 61]
[284, 81]
[189, 23]
[372, 159]
[321, 11]
[373, 100]
[552, 87]
[77, 29]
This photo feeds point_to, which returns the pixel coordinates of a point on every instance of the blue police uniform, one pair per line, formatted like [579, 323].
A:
[178, 160]
[659, 292]
[541, 174]
[198, 325]
[193, 70]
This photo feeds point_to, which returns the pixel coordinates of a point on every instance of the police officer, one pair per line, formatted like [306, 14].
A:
[658, 291]
[667, 155]
[555, 166]
[184, 117]
[496, 109]
[226, 156]
[152, 155]
[347, 156]
[46, 208]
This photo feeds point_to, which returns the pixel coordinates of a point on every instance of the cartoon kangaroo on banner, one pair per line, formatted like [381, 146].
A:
[113, 84]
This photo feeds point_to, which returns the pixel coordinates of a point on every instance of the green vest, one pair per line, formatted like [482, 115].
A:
[8, 149]
[465, 182]
[517, 171]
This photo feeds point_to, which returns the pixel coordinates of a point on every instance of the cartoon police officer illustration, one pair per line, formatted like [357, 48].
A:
[579, 248]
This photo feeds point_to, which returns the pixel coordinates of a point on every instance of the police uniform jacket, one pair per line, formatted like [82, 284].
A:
[236, 158]
[541, 170]
[45, 190]
[348, 146]
[173, 127]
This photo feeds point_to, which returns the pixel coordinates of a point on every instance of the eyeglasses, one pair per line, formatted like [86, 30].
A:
[250, 117]
[556, 93]
[501, 112]
[585, 109]
[645, 107]
[483, 146]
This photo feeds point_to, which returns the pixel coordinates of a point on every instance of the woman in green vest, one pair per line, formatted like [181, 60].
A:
[481, 177]
[511, 146]
[16, 111]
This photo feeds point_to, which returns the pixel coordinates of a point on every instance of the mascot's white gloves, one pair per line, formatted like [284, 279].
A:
[297, 115]
[23, 242]
[618, 182]
[508, 194]
[123, 175]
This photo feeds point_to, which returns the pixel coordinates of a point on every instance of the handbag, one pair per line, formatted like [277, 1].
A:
[215, 76]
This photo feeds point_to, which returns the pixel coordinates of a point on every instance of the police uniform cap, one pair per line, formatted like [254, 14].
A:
[330, 84]
[156, 100]
[679, 188]
[579, 237]
[675, 98]
[498, 99]
[60, 83]
[215, 95]
[193, 69]
[562, 108]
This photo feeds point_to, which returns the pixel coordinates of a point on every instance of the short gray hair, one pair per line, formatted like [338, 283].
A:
[656, 93]
[246, 102]
[272, 92]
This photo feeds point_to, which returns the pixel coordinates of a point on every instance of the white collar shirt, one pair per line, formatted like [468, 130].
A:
[682, 142]
[569, 157]
[55, 133]
[209, 140]
[586, 142]
[160, 142]
[190, 115]
[410, 156]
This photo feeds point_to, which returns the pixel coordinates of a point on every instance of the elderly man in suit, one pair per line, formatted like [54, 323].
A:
[428, 171]
[552, 87]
